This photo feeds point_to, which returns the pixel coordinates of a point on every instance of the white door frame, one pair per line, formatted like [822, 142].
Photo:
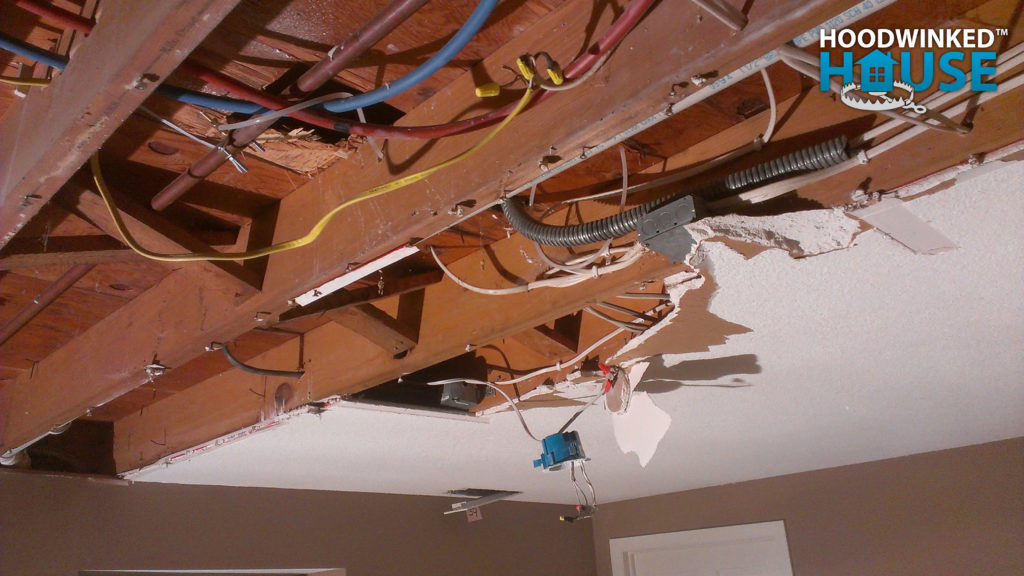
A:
[768, 537]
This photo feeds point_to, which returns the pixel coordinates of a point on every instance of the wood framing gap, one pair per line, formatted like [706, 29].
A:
[155, 231]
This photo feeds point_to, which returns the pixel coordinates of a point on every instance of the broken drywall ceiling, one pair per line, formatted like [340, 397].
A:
[690, 327]
[860, 354]
[641, 427]
[804, 233]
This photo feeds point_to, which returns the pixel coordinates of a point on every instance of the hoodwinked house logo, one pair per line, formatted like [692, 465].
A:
[878, 81]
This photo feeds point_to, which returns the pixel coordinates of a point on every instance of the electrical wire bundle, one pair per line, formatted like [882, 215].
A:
[574, 75]
[585, 506]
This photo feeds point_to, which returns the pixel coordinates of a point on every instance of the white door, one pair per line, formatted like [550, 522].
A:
[745, 550]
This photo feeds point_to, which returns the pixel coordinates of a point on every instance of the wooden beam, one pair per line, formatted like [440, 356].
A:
[89, 249]
[65, 251]
[377, 326]
[51, 133]
[624, 93]
[154, 231]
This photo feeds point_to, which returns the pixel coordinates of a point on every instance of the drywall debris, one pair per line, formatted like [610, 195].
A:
[893, 218]
[641, 428]
[803, 233]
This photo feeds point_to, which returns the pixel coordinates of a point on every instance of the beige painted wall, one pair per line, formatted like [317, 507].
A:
[58, 525]
[954, 512]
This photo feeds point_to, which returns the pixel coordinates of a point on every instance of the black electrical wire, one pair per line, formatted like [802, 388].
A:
[261, 371]
[817, 157]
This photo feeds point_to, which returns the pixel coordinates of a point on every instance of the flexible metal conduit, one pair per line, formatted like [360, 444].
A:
[817, 157]
[809, 159]
[338, 58]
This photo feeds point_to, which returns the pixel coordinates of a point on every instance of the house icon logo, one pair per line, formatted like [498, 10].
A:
[876, 72]
[897, 62]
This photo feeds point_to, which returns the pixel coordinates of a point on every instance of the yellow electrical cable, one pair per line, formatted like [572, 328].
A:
[101, 184]
[24, 81]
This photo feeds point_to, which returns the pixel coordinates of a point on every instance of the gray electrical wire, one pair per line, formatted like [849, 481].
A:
[629, 311]
[593, 494]
[261, 371]
[579, 412]
[557, 366]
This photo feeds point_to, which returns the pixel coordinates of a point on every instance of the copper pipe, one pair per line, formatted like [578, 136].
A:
[358, 43]
[336, 59]
[44, 299]
[59, 15]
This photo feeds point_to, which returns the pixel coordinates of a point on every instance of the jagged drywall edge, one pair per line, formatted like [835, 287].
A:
[806, 233]
[802, 234]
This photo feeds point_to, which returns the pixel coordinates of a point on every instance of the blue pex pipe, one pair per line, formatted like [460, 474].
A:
[436, 62]
[180, 94]
[29, 51]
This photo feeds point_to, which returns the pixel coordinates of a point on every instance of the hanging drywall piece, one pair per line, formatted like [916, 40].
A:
[641, 428]
[893, 218]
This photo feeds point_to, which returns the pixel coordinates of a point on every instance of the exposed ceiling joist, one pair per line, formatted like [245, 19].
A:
[217, 399]
[617, 98]
[65, 251]
[340, 361]
[547, 342]
[52, 132]
[377, 326]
